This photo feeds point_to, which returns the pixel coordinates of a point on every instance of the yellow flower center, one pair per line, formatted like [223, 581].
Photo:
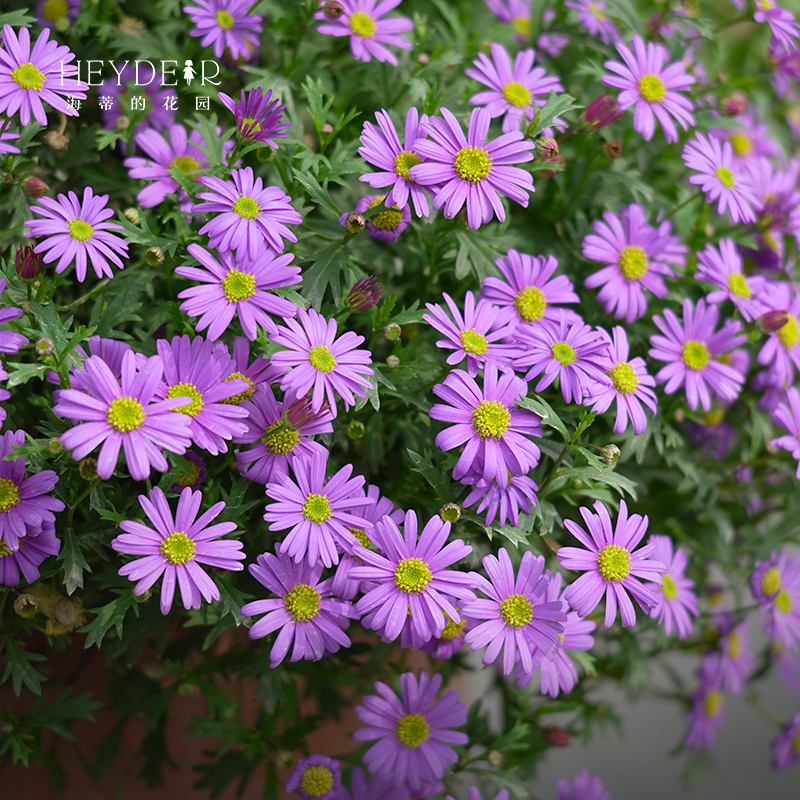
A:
[623, 376]
[238, 286]
[385, 220]
[741, 144]
[789, 334]
[412, 575]
[322, 359]
[404, 161]
[280, 439]
[490, 419]
[5, 550]
[737, 285]
[695, 355]
[246, 207]
[194, 402]
[190, 479]
[563, 353]
[614, 563]
[771, 581]
[302, 602]
[363, 25]
[652, 88]
[245, 395]
[362, 537]
[633, 263]
[517, 95]
[522, 25]
[225, 20]
[412, 730]
[714, 418]
[317, 508]
[317, 781]
[531, 304]
[725, 177]
[473, 164]
[596, 12]
[783, 602]
[80, 230]
[28, 77]
[9, 495]
[712, 703]
[474, 342]
[516, 611]
[54, 10]
[669, 589]
[125, 414]
[734, 645]
[452, 630]
[184, 163]
[250, 125]
[178, 548]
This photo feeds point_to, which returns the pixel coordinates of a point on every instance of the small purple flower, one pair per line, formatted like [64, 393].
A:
[385, 226]
[736, 659]
[503, 502]
[610, 565]
[693, 350]
[26, 506]
[708, 708]
[31, 76]
[412, 577]
[238, 286]
[787, 414]
[316, 778]
[489, 422]
[602, 111]
[257, 116]
[77, 230]
[194, 478]
[414, 731]
[591, 17]
[786, 745]
[54, 15]
[777, 204]
[124, 85]
[260, 373]
[33, 550]
[776, 585]
[782, 23]
[469, 170]
[122, 414]
[381, 147]
[529, 287]
[225, 24]
[720, 177]
[304, 611]
[634, 252]
[749, 141]
[248, 214]
[10, 342]
[631, 386]
[584, 787]
[177, 547]
[781, 352]
[319, 512]
[512, 90]
[317, 361]
[363, 22]
[517, 614]
[516, 13]
[568, 350]
[677, 601]
[653, 88]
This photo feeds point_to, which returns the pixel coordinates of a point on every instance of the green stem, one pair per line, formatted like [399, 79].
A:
[83, 298]
[685, 203]
[560, 458]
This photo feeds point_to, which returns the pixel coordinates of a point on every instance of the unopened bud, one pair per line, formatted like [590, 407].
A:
[333, 9]
[56, 141]
[366, 294]
[557, 162]
[355, 430]
[556, 737]
[44, 347]
[450, 512]
[185, 688]
[612, 149]
[144, 597]
[773, 321]
[132, 215]
[610, 455]
[602, 111]
[63, 25]
[35, 187]
[734, 105]
[355, 222]
[54, 446]
[392, 331]
[26, 606]
[87, 469]
[680, 415]
[122, 123]
[283, 758]
[266, 154]
[495, 758]
[154, 257]
[327, 129]
[393, 362]
[546, 148]
[27, 263]
[423, 58]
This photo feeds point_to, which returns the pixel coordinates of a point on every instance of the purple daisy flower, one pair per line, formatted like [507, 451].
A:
[450, 641]
[634, 252]
[722, 267]
[32, 551]
[122, 87]
[693, 350]
[653, 88]
[123, 416]
[478, 334]
[304, 611]
[594, 21]
[529, 287]
[386, 226]
[516, 13]
[257, 116]
[469, 170]
[776, 585]
[76, 230]
[177, 547]
[194, 478]
[414, 730]
[362, 21]
[57, 14]
[570, 351]
[25, 503]
[787, 664]
[777, 200]
[238, 286]
[749, 141]
[317, 361]
[517, 614]
[610, 565]
[489, 422]
[631, 386]
[257, 375]
[277, 441]
[512, 90]
[677, 601]
[782, 23]
[381, 147]
[5, 138]
[412, 577]
[720, 177]
[362, 789]
[319, 512]
[736, 660]
[225, 24]
[786, 745]
[31, 76]
[708, 709]
[503, 502]
[787, 414]
[248, 214]
[196, 371]
[10, 342]
[584, 787]
[112, 351]
[316, 778]
[781, 352]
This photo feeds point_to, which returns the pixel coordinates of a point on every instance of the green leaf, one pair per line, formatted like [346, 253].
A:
[370, 395]
[110, 615]
[543, 409]
[108, 138]
[585, 661]
[318, 192]
[19, 669]
[212, 142]
[586, 422]
[556, 105]
[517, 534]
[231, 601]
[74, 562]
[605, 475]
[325, 271]
[423, 464]
[17, 19]
[474, 253]
[22, 373]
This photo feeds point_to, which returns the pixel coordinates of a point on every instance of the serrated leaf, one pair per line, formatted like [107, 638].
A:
[325, 271]
[474, 253]
[109, 616]
[74, 562]
[556, 105]
[606, 475]
[544, 410]
[318, 192]
[517, 534]
[22, 373]
[19, 668]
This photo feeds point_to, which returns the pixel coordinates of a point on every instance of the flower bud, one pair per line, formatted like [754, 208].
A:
[602, 111]
[299, 411]
[680, 415]
[355, 222]
[546, 148]
[355, 430]
[63, 25]
[122, 123]
[132, 215]
[423, 58]
[26, 606]
[612, 149]
[266, 154]
[27, 263]
[56, 141]
[450, 512]
[44, 347]
[734, 105]
[610, 454]
[556, 737]
[773, 321]
[185, 688]
[495, 758]
[393, 362]
[87, 469]
[326, 129]
[35, 187]
[392, 331]
[144, 597]
[366, 294]
[154, 257]
[333, 9]
[556, 161]
[54, 446]
[283, 758]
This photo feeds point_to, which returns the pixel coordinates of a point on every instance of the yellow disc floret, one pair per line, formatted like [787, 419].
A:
[322, 359]
[302, 602]
[737, 285]
[695, 355]
[712, 703]
[517, 95]
[789, 333]
[80, 231]
[473, 164]
[725, 177]
[178, 548]
[194, 400]
[651, 88]
[412, 575]
[225, 20]
[245, 395]
[5, 550]
[55, 10]
[28, 77]
[125, 414]
[614, 563]
[9, 495]
[623, 376]
[563, 353]
[669, 588]
[633, 263]
[317, 508]
[412, 730]
[473, 342]
[185, 163]
[280, 438]
[385, 220]
[771, 581]
[238, 286]
[516, 611]
[363, 25]
[404, 161]
[783, 602]
[490, 419]
[741, 143]
[531, 304]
